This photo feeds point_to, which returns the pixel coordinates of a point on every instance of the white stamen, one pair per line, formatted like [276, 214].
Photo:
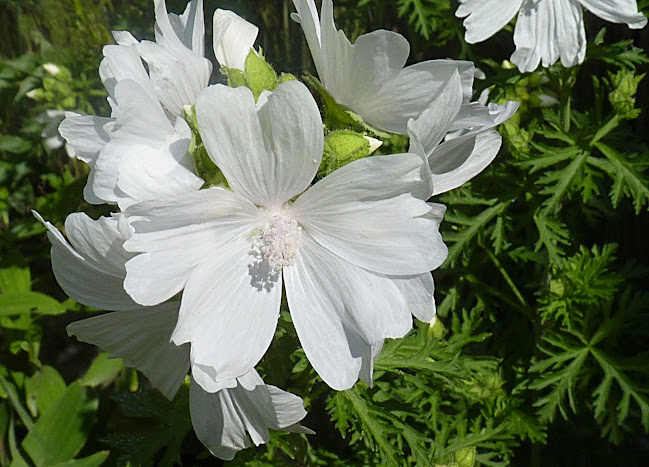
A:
[278, 241]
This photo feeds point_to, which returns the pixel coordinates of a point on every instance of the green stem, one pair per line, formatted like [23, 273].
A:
[507, 278]
[15, 402]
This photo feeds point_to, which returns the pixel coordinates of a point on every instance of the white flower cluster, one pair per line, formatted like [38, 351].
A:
[193, 274]
[546, 30]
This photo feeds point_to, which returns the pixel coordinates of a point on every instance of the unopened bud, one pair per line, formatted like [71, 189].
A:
[259, 75]
[345, 146]
[52, 69]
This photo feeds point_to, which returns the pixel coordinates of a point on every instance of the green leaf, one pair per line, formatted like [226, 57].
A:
[474, 225]
[15, 279]
[29, 302]
[560, 372]
[14, 144]
[553, 234]
[60, 433]
[628, 180]
[42, 389]
[170, 422]
[102, 371]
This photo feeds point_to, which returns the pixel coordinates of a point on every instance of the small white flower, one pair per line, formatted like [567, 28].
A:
[546, 30]
[354, 251]
[233, 38]
[369, 76]
[92, 271]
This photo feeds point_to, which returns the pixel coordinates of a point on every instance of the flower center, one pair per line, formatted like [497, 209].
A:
[278, 241]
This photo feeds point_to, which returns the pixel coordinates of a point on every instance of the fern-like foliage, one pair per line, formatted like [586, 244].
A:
[592, 351]
[433, 19]
[432, 402]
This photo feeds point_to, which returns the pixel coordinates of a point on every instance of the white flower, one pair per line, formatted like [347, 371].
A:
[354, 251]
[457, 140]
[222, 420]
[546, 30]
[141, 151]
[178, 69]
[369, 76]
[136, 156]
[233, 38]
[91, 271]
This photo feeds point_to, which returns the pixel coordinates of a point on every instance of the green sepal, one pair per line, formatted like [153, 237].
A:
[205, 167]
[236, 77]
[286, 77]
[258, 74]
[337, 116]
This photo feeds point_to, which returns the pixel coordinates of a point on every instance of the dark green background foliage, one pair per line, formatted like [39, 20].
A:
[540, 353]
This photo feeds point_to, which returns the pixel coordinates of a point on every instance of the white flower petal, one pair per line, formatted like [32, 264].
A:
[233, 38]
[475, 117]
[617, 11]
[123, 63]
[430, 128]
[91, 272]
[207, 379]
[418, 292]
[355, 73]
[178, 76]
[100, 241]
[141, 338]
[268, 153]
[546, 31]
[176, 237]
[222, 419]
[360, 214]
[141, 126]
[178, 71]
[307, 16]
[367, 367]
[158, 172]
[486, 17]
[229, 310]
[86, 135]
[217, 422]
[460, 159]
[190, 26]
[368, 76]
[339, 310]
[411, 92]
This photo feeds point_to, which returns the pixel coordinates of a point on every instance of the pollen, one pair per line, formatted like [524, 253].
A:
[278, 241]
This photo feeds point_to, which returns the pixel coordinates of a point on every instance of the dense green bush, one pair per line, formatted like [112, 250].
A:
[539, 355]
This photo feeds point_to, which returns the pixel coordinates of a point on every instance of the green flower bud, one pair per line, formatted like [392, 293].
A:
[259, 75]
[344, 146]
[465, 457]
[623, 97]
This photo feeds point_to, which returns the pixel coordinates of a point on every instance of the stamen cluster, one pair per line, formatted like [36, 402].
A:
[278, 241]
